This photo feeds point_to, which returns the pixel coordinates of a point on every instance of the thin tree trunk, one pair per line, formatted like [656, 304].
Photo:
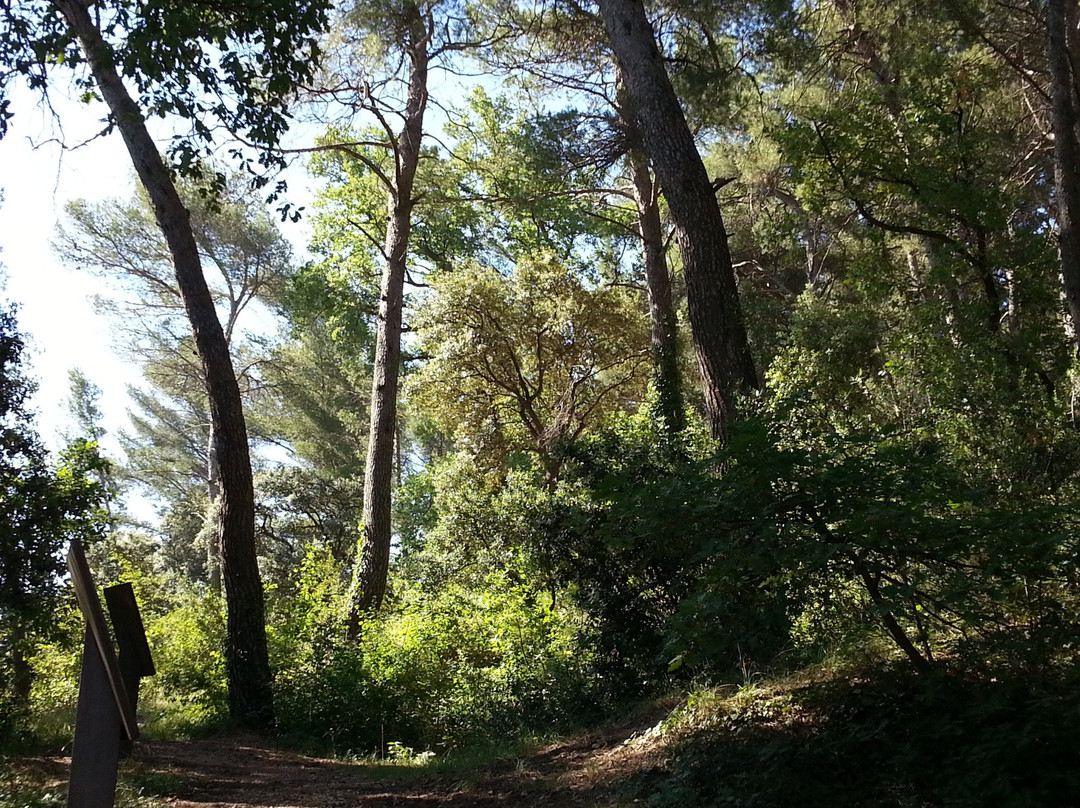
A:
[22, 673]
[213, 532]
[1060, 27]
[873, 588]
[892, 625]
[658, 285]
[716, 323]
[814, 274]
[246, 661]
[369, 580]
[664, 324]
[995, 303]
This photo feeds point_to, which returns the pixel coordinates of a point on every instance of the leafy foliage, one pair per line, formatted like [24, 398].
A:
[42, 507]
[437, 670]
[219, 64]
[540, 179]
[526, 361]
[795, 549]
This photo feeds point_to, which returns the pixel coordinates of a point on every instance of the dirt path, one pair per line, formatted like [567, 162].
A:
[244, 772]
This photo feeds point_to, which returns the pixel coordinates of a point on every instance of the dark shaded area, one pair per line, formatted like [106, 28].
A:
[885, 739]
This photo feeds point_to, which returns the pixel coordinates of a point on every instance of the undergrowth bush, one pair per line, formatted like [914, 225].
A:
[771, 554]
[189, 693]
[433, 671]
[883, 737]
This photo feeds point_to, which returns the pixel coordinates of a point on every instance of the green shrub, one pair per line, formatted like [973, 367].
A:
[772, 549]
[883, 737]
[434, 671]
[189, 692]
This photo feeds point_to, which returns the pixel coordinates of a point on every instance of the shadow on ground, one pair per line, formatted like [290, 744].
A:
[243, 771]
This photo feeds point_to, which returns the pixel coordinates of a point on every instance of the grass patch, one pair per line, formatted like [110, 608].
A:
[885, 738]
[16, 791]
[402, 763]
[138, 786]
[27, 782]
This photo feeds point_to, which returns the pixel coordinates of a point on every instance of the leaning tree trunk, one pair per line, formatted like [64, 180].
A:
[246, 661]
[712, 297]
[369, 580]
[1061, 18]
[662, 319]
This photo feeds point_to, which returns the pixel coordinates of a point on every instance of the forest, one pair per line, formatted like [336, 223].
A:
[718, 357]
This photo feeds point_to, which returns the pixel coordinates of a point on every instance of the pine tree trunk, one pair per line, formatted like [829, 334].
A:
[213, 531]
[662, 319]
[663, 323]
[716, 323]
[1061, 18]
[369, 580]
[246, 660]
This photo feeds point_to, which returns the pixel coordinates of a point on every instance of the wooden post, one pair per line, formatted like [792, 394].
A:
[96, 751]
[90, 605]
[108, 687]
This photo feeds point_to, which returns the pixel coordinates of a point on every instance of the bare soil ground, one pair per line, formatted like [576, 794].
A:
[244, 771]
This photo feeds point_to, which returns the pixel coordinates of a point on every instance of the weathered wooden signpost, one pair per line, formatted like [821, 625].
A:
[108, 686]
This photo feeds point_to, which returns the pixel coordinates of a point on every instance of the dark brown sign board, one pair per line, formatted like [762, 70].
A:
[108, 687]
[95, 755]
[135, 659]
[90, 605]
[129, 631]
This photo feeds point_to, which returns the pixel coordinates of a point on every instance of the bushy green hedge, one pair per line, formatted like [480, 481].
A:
[434, 671]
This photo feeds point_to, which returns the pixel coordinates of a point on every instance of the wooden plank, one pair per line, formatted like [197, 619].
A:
[135, 658]
[90, 604]
[96, 751]
[128, 627]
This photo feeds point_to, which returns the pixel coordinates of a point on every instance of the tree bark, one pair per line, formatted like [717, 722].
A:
[369, 580]
[246, 659]
[213, 532]
[1061, 16]
[922, 663]
[716, 323]
[662, 319]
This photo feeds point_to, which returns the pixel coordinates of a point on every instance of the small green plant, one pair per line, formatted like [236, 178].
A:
[406, 755]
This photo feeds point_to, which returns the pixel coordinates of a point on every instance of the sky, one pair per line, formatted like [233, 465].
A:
[38, 177]
[55, 302]
[56, 309]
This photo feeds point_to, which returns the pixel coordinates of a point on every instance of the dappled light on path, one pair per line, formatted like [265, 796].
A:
[246, 772]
